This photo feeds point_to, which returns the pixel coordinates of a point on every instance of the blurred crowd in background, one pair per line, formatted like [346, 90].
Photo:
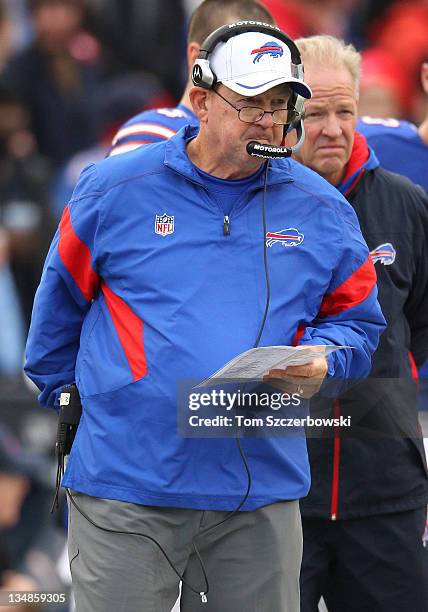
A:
[71, 72]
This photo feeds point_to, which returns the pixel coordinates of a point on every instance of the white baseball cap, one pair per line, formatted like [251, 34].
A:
[252, 63]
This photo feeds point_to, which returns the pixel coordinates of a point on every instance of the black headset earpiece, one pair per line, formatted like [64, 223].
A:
[203, 76]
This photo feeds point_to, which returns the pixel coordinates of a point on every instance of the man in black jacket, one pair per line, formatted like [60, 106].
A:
[365, 515]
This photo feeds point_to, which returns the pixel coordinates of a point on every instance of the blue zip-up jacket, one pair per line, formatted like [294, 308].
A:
[128, 313]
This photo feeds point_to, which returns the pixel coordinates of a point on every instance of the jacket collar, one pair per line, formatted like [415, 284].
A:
[177, 159]
[362, 159]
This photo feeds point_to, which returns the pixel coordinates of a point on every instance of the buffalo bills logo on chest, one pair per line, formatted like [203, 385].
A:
[289, 237]
[269, 48]
[164, 224]
[385, 253]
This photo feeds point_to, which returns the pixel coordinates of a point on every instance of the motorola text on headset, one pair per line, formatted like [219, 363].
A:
[203, 76]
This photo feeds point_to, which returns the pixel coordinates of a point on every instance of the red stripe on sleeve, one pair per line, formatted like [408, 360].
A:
[415, 373]
[76, 257]
[352, 292]
[336, 465]
[299, 333]
[129, 328]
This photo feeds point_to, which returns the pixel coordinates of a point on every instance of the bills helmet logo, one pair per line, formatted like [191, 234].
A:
[164, 224]
[385, 253]
[270, 48]
[287, 237]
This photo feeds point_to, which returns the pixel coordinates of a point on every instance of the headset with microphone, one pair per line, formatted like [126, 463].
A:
[203, 76]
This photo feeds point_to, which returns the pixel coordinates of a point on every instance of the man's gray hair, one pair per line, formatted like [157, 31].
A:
[329, 51]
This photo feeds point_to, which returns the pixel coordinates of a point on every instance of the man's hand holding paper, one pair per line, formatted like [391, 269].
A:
[304, 379]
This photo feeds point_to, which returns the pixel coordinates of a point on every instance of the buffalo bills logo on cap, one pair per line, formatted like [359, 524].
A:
[270, 48]
[385, 253]
[287, 237]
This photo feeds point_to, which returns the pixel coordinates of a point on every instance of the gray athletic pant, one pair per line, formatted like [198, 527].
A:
[252, 561]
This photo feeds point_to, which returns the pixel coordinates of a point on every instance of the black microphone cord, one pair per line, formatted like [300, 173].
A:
[230, 514]
[256, 344]
[203, 594]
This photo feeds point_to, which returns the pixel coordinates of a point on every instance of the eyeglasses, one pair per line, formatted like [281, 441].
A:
[253, 114]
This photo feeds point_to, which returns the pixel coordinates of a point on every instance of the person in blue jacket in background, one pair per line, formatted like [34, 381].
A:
[169, 261]
[402, 147]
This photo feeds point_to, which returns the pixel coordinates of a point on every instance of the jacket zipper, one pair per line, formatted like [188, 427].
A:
[226, 225]
[226, 218]
[336, 462]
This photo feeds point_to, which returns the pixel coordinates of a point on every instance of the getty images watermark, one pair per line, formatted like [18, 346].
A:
[219, 413]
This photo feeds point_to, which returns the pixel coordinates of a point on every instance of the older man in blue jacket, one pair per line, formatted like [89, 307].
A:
[169, 261]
